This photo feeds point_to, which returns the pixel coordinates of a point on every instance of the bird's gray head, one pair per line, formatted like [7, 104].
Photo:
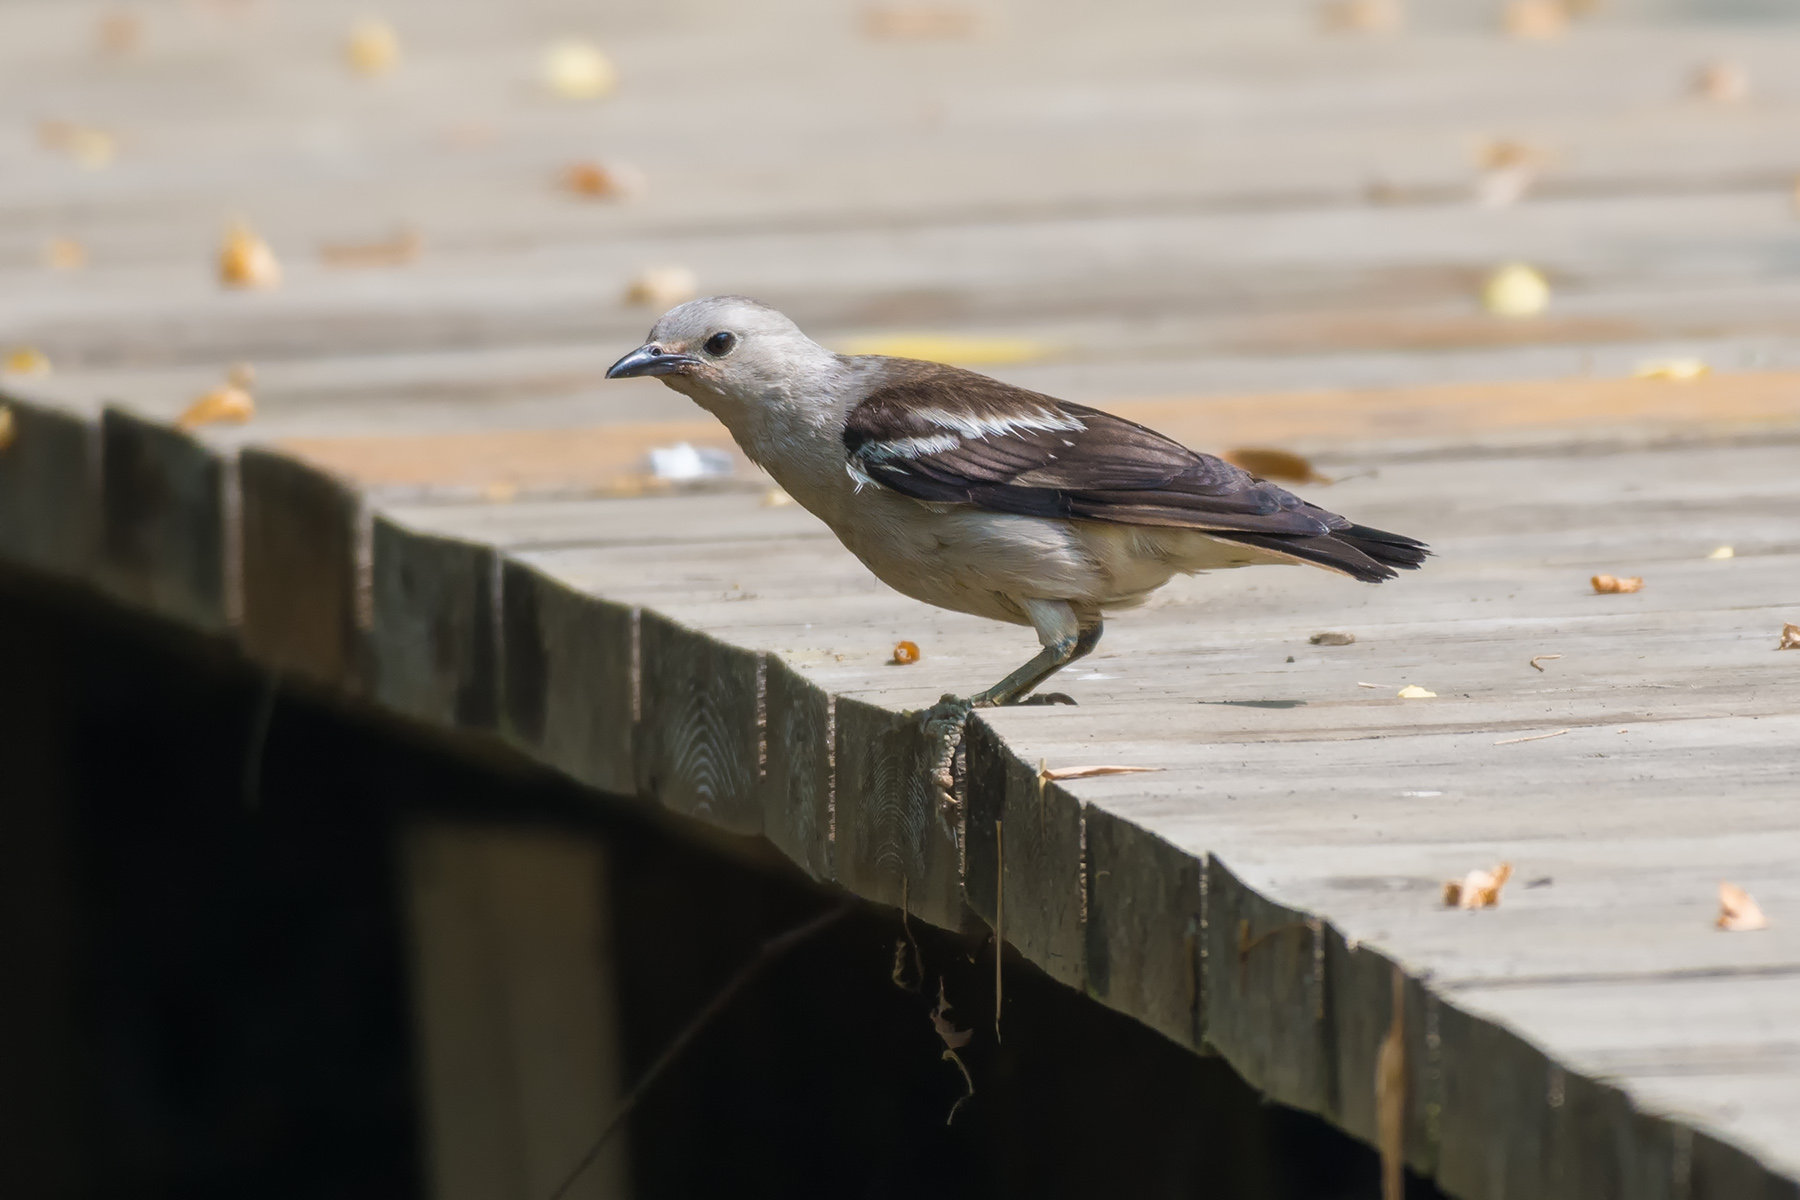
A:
[728, 348]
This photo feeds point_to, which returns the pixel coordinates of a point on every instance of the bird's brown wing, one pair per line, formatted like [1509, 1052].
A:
[940, 434]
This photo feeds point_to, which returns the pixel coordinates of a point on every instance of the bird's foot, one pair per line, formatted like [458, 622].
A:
[943, 723]
[1041, 698]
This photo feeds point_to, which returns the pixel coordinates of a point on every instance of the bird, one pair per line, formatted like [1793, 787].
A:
[981, 497]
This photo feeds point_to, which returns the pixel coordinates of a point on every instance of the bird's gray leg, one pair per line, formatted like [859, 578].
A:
[1064, 639]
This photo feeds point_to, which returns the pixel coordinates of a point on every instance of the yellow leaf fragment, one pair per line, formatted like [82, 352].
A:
[372, 47]
[662, 287]
[920, 22]
[575, 69]
[1516, 290]
[1413, 691]
[1390, 1096]
[906, 654]
[64, 254]
[28, 361]
[1722, 82]
[1477, 889]
[946, 348]
[1723, 552]
[245, 260]
[395, 251]
[1612, 585]
[1282, 465]
[1053, 774]
[1332, 637]
[1790, 637]
[1738, 913]
[1674, 370]
[230, 403]
[604, 181]
[1535, 19]
[1361, 16]
[92, 148]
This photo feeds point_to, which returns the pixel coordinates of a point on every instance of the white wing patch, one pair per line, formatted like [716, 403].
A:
[977, 425]
[908, 447]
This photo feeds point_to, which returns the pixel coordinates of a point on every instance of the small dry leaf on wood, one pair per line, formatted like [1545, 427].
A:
[231, 403]
[396, 251]
[1535, 19]
[1332, 637]
[1723, 552]
[1611, 585]
[954, 1038]
[1390, 1095]
[1361, 16]
[1053, 774]
[577, 70]
[1543, 658]
[92, 148]
[906, 653]
[245, 260]
[920, 22]
[372, 47]
[27, 360]
[9, 428]
[1477, 889]
[1413, 691]
[1790, 637]
[1275, 464]
[603, 181]
[1738, 913]
[1722, 82]
[662, 287]
[64, 254]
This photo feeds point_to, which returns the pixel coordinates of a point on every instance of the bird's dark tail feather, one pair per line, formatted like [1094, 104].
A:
[1370, 555]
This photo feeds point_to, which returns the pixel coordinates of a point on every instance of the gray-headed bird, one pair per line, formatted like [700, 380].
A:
[985, 498]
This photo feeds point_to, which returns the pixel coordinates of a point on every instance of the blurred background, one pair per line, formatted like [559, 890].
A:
[323, 225]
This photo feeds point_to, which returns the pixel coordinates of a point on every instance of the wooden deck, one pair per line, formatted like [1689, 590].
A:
[1230, 224]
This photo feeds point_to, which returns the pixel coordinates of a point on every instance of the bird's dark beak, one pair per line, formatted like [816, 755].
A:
[651, 360]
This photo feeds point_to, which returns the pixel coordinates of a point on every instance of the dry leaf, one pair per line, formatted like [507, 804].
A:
[1535, 19]
[1053, 774]
[120, 33]
[245, 260]
[9, 428]
[610, 181]
[230, 403]
[1609, 585]
[1674, 370]
[92, 148]
[1361, 16]
[1332, 638]
[1722, 83]
[1477, 889]
[1790, 637]
[396, 251]
[1413, 691]
[64, 254]
[1738, 913]
[373, 48]
[1515, 290]
[662, 287]
[954, 1038]
[576, 70]
[920, 21]
[1390, 1096]
[27, 360]
[906, 653]
[1275, 464]
[1538, 658]
[1723, 552]
[1536, 737]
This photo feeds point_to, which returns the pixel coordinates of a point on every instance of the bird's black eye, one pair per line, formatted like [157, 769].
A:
[721, 343]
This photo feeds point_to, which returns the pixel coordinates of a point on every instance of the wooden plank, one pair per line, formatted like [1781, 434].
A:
[50, 490]
[170, 535]
[308, 562]
[515, 995]
[435, 643]
[799, 783]
[699, 734]
[569, 692]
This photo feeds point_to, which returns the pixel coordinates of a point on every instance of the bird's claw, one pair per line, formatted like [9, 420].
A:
[1041, 698]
